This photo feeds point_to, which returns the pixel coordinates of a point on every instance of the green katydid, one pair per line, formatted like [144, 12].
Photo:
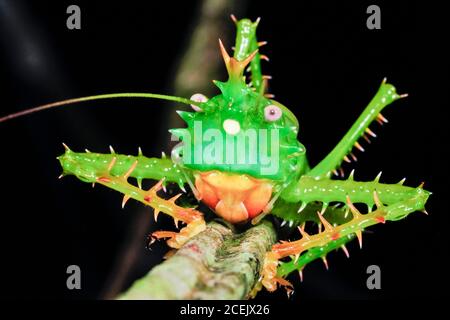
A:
[240, 156]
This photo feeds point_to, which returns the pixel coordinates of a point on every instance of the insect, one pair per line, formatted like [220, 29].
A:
[240, 155]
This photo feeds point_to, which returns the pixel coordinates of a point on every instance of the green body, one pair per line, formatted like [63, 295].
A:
[301, 190]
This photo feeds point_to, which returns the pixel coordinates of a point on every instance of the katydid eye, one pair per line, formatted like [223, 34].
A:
[198, 97]
[272, 113]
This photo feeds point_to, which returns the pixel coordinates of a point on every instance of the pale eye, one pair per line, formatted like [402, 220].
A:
[272, 113]
[198, 97]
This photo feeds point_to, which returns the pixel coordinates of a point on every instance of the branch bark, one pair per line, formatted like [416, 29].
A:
[218, 263]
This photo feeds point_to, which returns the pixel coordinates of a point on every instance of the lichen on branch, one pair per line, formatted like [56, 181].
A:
[218, 263]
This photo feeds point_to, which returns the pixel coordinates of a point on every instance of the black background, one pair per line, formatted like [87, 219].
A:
[326, 66]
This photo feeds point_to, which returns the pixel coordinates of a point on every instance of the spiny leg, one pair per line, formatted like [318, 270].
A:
[343, 151]
[393, 202]
[113, 170]
[246, 43]
[277, 270]
[309, 189]
[193, 218]
[87, 165]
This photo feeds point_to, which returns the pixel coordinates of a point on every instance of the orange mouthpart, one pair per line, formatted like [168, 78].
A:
[234, 197]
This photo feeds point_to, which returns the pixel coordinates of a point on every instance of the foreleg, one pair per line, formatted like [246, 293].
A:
[113, 171]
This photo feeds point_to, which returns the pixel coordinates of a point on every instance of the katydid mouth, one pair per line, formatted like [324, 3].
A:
[234, 197]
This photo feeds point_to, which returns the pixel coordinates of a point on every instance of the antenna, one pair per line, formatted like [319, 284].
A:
[99, 97]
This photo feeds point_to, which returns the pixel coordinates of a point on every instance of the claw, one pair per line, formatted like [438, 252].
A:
[178, 239]
[289, 292]
[150, 241]
[283, 282]
[169, 254]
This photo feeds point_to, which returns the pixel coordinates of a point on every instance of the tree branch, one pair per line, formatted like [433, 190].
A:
[216, 264]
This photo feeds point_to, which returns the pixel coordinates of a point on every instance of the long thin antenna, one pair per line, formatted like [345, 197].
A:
[98, 97]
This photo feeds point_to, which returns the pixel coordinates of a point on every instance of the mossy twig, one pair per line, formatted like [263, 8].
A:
[216, 264]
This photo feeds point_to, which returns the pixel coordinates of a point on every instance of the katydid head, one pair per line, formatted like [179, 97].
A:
[240, 130]
[241, 146]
